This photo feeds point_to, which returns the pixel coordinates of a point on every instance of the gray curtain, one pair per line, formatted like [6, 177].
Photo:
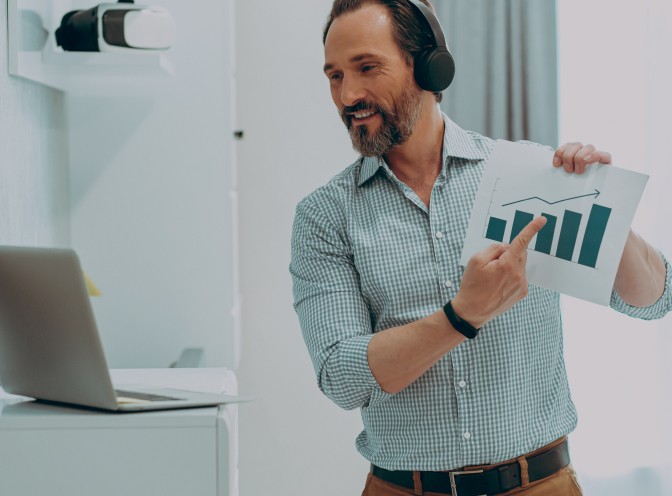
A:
[506, 67]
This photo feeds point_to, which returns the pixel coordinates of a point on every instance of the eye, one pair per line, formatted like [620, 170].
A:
[368, 68]
[334, 76]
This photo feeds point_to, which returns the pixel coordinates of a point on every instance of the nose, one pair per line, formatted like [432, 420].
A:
[352, 91]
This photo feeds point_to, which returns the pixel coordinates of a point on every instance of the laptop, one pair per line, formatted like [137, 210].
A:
[50, 348]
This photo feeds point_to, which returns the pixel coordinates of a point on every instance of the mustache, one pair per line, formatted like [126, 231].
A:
[359, 107]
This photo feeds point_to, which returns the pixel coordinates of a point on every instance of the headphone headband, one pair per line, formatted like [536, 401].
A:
[432, 22]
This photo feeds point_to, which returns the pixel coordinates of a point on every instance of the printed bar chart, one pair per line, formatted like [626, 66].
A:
[568, 237]
[496, 228]
[597, 225]
[545, 236]
[578, 249]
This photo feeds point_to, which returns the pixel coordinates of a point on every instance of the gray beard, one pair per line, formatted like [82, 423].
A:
[378, 143]
[397, 126]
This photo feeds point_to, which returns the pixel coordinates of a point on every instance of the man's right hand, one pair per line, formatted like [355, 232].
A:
[494, 279]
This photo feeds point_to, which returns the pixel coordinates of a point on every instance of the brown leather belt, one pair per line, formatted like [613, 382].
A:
[495, 480]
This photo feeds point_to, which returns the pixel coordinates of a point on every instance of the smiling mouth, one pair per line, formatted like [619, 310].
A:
[363, 115]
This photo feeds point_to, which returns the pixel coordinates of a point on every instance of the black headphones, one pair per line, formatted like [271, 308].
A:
[434, 67]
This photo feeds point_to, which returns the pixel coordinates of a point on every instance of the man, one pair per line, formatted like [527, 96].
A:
[386, 309]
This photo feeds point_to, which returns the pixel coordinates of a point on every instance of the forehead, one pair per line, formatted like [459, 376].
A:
[367, 30]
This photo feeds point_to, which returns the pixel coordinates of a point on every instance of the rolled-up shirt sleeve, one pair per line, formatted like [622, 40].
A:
[656, 311]
[334, 317]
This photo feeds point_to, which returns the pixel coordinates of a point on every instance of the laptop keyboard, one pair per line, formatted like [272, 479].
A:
[145, 396]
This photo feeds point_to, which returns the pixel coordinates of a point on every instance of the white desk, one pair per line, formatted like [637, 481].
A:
[54, 450]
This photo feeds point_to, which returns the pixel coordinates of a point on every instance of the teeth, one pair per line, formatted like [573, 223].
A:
[362, 115]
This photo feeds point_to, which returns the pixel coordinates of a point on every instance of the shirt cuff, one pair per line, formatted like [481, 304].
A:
[356, 349]
[655, 311]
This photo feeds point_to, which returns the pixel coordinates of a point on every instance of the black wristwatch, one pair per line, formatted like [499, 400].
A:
[460, 325]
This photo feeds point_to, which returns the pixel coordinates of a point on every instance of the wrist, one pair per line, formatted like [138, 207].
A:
[468, 314]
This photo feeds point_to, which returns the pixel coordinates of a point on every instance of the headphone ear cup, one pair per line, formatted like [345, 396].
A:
[434, 69]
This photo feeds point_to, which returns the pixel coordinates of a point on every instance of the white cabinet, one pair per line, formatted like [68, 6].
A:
[47, 449]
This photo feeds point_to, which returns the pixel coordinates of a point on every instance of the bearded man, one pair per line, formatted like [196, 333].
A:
[458, 372]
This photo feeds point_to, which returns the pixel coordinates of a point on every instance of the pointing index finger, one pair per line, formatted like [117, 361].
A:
[524, 237]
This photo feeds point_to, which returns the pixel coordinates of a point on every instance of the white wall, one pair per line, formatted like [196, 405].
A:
[614, 83]
[293, 440]
[152, 174]
[33, 160]
[146, 170]
[138, 175]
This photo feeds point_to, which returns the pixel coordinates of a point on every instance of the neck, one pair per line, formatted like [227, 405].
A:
[418, 160]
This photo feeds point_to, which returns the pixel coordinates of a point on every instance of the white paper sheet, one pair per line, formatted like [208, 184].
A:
[577, 253]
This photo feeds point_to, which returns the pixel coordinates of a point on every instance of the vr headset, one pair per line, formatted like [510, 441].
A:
[116, 27]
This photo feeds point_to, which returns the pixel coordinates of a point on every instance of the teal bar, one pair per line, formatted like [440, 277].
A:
[520, 220]
[568, 232]
[545, 236]
[592, 240]
[496, 228]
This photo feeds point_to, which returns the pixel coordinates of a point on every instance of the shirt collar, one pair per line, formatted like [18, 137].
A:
[459, 143]
[456, 143]
[370, 166]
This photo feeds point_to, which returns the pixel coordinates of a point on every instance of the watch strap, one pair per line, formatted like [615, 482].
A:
[460, 325]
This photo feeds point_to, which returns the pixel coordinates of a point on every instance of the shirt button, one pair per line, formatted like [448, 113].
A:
[467, 435]
[462, 384]
[439, 235]
[448, 283]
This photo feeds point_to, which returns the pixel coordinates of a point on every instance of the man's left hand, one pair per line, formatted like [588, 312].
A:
[574, 157]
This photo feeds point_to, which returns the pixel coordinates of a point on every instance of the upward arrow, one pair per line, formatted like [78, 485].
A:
[596, 194]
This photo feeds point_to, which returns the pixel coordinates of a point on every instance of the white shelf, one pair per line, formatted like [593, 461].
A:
[34, 55]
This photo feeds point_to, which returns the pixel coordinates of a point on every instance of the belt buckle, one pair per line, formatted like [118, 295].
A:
[453, 485]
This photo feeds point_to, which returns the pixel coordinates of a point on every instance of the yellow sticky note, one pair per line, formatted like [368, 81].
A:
[93, 290]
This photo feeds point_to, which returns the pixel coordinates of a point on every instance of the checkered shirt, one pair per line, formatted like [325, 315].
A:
[368, 255]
